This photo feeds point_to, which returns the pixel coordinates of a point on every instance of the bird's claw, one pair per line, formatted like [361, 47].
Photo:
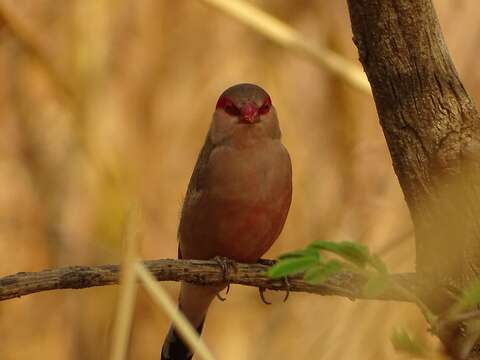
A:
[268, 262]
[261, 291]
[224, 264]
[220, 297]
[287, 285]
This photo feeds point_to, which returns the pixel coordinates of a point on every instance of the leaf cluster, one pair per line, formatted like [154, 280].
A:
[322, 259]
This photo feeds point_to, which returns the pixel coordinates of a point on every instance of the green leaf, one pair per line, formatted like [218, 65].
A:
[350, 251]
[291, 266]
[375, 286]
[402, 341]
[319, 273]
[378, 264]
[307, 252]
[471, 296]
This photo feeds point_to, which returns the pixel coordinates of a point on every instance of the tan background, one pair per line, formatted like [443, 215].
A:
[145, 77]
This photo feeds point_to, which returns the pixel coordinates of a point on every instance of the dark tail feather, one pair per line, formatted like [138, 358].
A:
[174, 348]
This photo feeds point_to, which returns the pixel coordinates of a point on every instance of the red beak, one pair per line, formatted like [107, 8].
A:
[249, 113]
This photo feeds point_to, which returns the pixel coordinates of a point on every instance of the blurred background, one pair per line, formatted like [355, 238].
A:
[103, 102]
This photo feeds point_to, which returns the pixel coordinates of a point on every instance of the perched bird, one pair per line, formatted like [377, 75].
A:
[237, 199]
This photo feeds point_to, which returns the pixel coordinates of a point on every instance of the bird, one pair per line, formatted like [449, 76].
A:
[237, 199]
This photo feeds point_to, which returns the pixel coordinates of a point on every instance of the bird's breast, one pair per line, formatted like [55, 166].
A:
[243, 204]
[256, 174]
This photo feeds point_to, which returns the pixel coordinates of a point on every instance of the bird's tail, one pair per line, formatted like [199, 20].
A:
[174, 348]
[194, 301]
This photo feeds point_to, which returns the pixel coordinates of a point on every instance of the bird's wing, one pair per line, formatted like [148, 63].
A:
[196, 183]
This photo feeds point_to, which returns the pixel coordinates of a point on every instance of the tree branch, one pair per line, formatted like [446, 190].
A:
[432, 128]
[201, 272]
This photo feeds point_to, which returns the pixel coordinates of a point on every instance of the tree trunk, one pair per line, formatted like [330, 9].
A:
[432, 130]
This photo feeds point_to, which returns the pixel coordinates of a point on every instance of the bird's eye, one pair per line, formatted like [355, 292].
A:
[231, 109]
[265, 108]
[228, 106]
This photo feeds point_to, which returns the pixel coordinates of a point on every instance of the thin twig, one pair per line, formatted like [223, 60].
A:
[202, 272]
[459, 317]
[290, 38]
[430, 317]
[182, 325]
[407, 292]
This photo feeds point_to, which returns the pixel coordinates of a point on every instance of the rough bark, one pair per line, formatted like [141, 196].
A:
[195, 271]
[432, 130]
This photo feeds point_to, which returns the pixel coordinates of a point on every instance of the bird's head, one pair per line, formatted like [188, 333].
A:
[245, 103]
[244, 110]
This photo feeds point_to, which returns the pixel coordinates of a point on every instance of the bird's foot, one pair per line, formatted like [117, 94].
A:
[268, 262]
[225, 264]
[220, 297]
[262, 290]
[287, 286]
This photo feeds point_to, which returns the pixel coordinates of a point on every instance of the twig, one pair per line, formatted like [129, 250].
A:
[459, 317]
[407, 293]
[200, 272]
[182, 325]
[290, 38]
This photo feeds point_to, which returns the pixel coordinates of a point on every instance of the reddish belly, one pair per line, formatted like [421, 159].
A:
[239, 231]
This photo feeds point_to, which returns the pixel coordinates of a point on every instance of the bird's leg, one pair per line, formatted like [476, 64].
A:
[224, 264]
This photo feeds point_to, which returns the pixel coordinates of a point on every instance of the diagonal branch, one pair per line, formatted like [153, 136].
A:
[201, 272]
[286, 36]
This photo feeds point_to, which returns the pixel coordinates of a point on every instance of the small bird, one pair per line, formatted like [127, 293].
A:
[237, 199]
